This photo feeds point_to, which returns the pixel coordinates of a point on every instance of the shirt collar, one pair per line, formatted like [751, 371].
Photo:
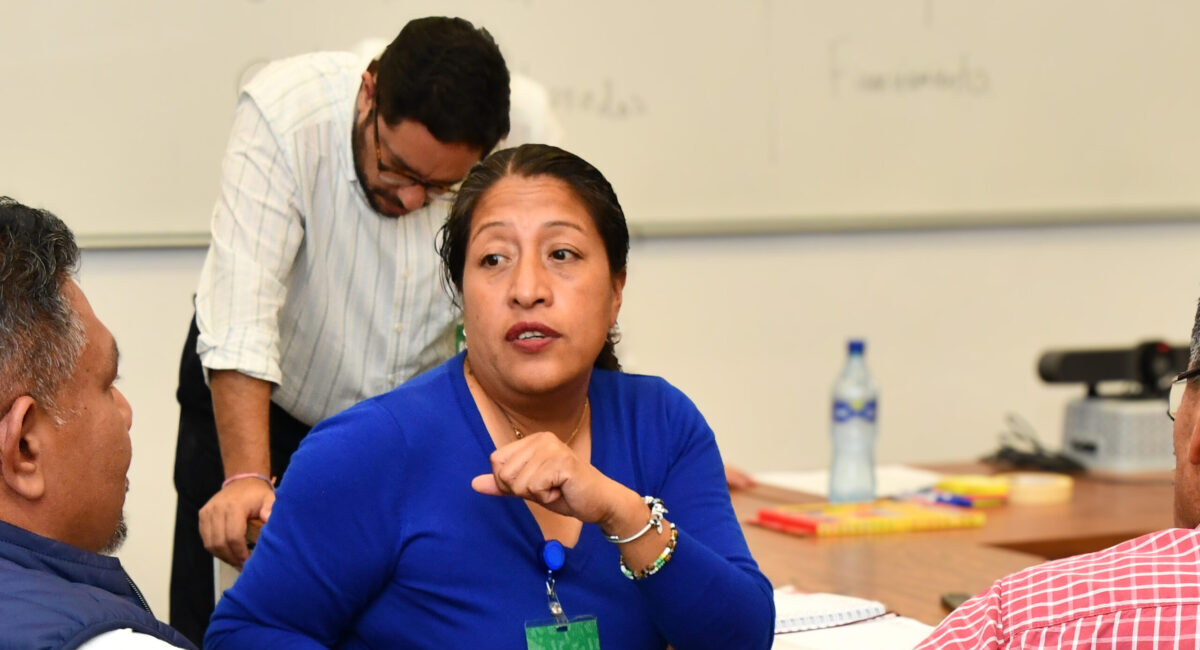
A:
[35, 552]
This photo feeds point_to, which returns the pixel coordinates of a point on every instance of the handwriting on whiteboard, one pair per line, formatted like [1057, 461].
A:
[957, 74]
[604, 100]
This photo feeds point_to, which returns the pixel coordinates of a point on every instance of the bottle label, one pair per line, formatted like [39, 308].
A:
[846, 411]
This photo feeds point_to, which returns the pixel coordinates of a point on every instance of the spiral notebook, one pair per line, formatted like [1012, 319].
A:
[796, 611]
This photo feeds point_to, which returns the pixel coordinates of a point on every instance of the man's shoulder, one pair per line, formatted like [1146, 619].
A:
[48, 588]
[310, 67]
[307, 87]
[1167, 548]
[1157, 569]
[43, 606]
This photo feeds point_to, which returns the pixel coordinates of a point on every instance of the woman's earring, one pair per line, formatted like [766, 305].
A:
[614, 334]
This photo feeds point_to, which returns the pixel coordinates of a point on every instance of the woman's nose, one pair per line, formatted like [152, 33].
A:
[530, 286]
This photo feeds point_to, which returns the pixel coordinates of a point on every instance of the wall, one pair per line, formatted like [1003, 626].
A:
[753, 329]
[849, 112]
[144, 297]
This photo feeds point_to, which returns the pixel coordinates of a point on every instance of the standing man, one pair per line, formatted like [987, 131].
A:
[64, 455]
[321, 286]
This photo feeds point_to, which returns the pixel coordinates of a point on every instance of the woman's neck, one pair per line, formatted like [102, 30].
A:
[562, 411]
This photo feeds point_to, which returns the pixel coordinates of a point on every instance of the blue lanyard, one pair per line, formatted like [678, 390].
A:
[554, 556]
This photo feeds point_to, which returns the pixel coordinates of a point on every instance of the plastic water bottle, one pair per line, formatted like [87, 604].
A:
[852, 472]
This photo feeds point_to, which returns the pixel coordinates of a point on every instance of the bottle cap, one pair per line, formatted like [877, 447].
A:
[856, 346]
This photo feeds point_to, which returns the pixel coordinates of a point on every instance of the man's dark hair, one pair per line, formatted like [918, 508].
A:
[41, 337]
[528, 161]
[1194, 358]
[450, 77]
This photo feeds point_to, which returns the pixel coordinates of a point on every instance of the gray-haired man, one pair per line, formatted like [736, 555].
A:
[64, 454]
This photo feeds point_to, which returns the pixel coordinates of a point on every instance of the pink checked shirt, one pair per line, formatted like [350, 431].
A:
[1144, 593]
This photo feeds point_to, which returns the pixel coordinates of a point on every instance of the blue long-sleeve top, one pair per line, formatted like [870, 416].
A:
[376, 538]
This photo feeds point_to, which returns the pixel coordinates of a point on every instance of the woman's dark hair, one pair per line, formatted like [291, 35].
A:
[529, 160]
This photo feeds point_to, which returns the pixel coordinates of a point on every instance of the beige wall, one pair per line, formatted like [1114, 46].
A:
[753, 329]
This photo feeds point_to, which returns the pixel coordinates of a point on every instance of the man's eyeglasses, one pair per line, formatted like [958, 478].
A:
[398, 178]
[1175, 397]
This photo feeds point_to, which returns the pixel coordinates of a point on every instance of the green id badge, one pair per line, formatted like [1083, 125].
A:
[580, 633]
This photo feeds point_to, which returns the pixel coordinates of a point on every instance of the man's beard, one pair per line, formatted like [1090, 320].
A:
[358, 144]
[117, 539]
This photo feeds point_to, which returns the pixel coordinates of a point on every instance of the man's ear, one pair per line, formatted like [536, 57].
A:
[22, 442]
[1193, 443]
[366, 92]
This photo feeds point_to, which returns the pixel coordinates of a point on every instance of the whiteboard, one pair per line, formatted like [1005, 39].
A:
[707, 116]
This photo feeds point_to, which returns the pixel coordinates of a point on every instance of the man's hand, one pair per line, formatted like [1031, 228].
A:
[241, 405]
[223, 519]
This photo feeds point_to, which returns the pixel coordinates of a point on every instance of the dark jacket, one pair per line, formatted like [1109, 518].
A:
[54, 595]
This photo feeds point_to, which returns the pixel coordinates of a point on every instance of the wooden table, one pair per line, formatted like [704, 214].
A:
[910, 571]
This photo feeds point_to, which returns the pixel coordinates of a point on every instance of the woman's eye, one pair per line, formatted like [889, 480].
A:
[562, 255]
[491, 260]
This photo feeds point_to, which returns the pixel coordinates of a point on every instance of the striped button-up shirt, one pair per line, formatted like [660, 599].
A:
[304, 285]
[1144, 593]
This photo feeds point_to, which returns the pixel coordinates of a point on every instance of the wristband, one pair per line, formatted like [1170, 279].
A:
[270, 481]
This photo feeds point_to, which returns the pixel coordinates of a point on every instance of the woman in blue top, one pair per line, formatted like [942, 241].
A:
[397, 526]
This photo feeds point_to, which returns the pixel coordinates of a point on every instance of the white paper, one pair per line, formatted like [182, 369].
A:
[890, 480]
[887, 633]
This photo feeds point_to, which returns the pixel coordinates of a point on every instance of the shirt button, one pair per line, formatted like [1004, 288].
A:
[399, 327]
[391, 379]
[404, 274]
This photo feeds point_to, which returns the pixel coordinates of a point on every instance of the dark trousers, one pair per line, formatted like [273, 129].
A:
[198, 476]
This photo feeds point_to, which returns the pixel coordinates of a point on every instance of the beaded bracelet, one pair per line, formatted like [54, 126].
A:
[659, 563]
[270, 481]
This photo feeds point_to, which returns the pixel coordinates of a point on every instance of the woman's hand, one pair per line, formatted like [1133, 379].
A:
[541, 469]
